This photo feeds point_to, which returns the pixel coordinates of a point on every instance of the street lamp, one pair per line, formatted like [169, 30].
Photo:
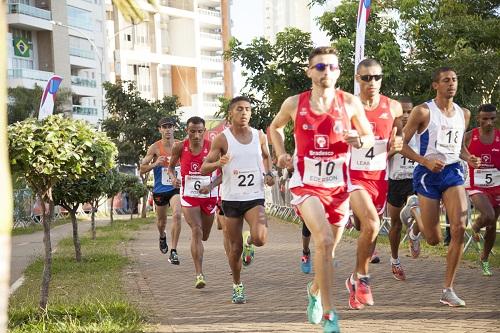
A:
[99, 56]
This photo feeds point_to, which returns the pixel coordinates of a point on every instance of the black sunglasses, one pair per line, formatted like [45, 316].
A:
[368, 78]
[166, 125]
[320, 67]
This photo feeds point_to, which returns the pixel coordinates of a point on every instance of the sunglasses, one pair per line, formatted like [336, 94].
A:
[320, 67]
[368, 78]
[167, 126]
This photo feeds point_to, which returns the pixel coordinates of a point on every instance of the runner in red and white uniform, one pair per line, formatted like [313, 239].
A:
[322, 126]
[484, 188]
[368, 182]
[198, 192]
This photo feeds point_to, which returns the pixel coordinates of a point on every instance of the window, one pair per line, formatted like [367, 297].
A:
[79, 18]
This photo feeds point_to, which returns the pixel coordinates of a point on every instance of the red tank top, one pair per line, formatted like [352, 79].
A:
[487, 176]
[191, 176]
[371, 163]
[320, 150]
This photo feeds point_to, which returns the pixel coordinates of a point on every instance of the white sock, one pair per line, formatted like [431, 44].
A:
[360, 276]
[413, 236]
[395, 261]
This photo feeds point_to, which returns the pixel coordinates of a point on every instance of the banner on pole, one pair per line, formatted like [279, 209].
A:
[49, 97]
[359, 51]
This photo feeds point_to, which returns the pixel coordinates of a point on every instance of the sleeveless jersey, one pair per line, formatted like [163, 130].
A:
[191, 178]
[243, 176]
[321, 154]
[442, 139]
[371, 163]
[487, 177]
[400, 167]
[162, 181]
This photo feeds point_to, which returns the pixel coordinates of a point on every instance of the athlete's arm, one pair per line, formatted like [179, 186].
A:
[146, 164]
[216, 158]
[174, 160]
[465, 155]
[276, 131]
[363, 136]
[213, 184]
[396, 142]
[266, 160]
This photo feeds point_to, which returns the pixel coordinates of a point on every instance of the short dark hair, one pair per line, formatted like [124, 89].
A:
[487, 108]
[195, 120]
[236, 100]
[167, 120]
[405, 99]
[368, 62]
[322, 50]
[437, 72]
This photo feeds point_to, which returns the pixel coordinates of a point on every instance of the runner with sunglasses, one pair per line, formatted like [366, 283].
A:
[439, 126]
[322, 120]
[368, 175]
[164, 192]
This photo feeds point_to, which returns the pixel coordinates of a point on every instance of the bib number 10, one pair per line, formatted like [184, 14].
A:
[328, 168]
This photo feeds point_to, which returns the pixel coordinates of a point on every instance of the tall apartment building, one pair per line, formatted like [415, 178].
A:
[177, 50]
[63, 37]
[280, 14]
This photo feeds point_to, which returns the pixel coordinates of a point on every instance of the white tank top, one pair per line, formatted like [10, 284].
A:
[401, 167]
[243, 176]
[442, 139]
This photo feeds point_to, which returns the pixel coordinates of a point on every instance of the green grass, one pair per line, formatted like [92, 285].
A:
[86, 296]
[34, 227]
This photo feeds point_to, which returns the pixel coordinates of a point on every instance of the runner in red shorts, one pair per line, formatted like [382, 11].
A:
[322, 127]
[368, 181]
[484, 188]
[198, 193]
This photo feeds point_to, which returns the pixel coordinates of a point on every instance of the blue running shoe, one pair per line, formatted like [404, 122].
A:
[305, 263]
[239, 294]
[314, 308]
[331, 325]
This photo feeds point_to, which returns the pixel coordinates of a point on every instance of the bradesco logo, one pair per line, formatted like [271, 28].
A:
[321, 141]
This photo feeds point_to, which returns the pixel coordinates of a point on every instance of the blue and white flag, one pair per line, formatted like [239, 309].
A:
[49, 97]
[359, 51]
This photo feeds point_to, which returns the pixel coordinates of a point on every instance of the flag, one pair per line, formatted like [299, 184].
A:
[21, 47]
[359, 52]
[49, 97]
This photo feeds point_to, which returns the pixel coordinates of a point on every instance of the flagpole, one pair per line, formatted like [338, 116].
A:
[359, 51]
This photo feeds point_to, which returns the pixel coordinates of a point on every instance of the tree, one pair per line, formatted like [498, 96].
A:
[132, 124]
[273, 72]
[6, 210]
[49, 152]
[114, 184]
[24, 102]
[135, 189]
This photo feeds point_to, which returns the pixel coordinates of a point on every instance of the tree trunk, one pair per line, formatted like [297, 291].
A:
[76, 238]
[47, 266]
[144, 206]
[111, 210]
[92, 219]
[6, 211]
[52, 214]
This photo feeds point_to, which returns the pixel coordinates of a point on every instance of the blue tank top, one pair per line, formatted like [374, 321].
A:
[162, 181]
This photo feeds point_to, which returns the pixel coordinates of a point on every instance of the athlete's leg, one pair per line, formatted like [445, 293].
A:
[256, 218]
[206, 225]
[455, 202]
[161, 219]
[395, 231]
[175, 204]
[429, 221]
[306, 239]
[313, 213]
[234, 226]
[487, 218]
[193, 219]
[363, 208]
[221, 219]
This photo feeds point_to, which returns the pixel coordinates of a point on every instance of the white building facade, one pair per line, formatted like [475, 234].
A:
[280, 14]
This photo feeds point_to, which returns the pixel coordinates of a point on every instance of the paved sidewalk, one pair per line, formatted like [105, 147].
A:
[276, 293]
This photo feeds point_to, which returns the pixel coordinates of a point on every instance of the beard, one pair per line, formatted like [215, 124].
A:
[326, 83]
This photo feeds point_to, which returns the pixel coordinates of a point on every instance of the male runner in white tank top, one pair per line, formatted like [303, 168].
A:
[439, 125]
[242, 153]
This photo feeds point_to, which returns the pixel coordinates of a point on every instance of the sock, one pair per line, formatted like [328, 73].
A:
[328, 315]
[306, 253]
[237, 284]
[361, 276]
[351, 279]
[395, 261]
[173, 250]
[164, 237]
[447, 289]
[413, 236]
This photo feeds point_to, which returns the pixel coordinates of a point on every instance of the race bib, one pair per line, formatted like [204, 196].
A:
[486, 177]
[401, 167]
[165, 178]
[449, 140]
[192, 185]
[324, 173]
[370, 159]
[247, 182]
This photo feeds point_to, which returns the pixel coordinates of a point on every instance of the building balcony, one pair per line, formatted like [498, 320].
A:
[83, 87]
[211, 17]
[81, 58]
[178, 4]
[214, 63]
[85, 110]
[87, 54]
[213, 86]
[211, 41]
[27, 78]
[28, 17]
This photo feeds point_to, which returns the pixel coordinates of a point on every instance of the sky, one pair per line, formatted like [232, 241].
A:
[248, 23]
